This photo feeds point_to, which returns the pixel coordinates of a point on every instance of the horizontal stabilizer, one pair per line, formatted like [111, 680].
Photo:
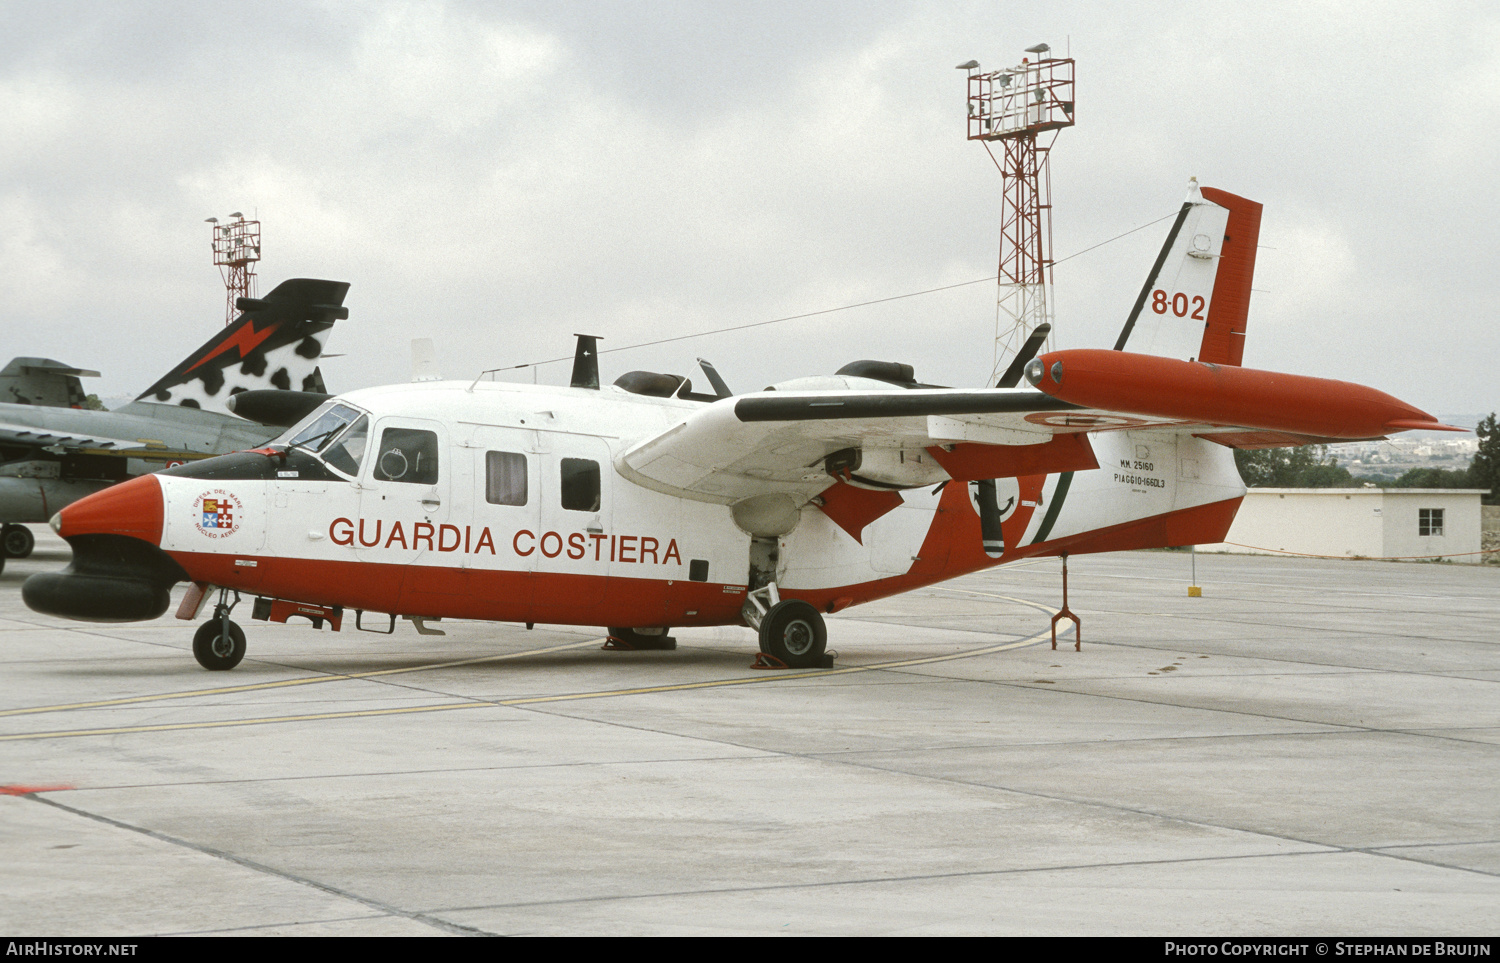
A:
[42, 381]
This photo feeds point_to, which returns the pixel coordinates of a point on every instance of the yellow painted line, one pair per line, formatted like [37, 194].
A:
[286, 683]
[532, 700]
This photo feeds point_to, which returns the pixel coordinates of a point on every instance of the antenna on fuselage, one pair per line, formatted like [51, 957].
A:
[586, 363]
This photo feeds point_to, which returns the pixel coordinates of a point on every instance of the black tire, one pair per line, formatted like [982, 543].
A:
[16, 541]
[638, 640]
[793, 632]
[216, 652]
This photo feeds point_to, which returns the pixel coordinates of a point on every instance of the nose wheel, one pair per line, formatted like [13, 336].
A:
[219, 644]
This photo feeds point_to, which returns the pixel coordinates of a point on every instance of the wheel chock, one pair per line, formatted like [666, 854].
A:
[765, 661]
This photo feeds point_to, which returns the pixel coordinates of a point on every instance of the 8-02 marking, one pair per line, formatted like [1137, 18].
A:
[1179, 304]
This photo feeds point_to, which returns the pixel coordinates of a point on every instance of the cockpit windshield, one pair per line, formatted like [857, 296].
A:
[335, 432]
[318, 429]
[348, 449]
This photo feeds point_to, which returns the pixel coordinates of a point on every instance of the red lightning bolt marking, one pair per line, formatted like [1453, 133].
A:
[246, 339]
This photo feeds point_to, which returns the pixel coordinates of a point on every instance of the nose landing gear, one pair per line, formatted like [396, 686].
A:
[219, 644]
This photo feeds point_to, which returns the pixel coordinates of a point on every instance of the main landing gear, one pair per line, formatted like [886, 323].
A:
[792, 633]
[16, 541]
[219, 644]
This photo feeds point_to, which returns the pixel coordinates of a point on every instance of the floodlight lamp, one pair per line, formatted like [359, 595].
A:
[1040, 48]
[210, 220]
[237, 214]
[970, 65]
[1003, 80]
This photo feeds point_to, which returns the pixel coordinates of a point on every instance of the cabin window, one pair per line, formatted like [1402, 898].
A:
[347, 453]
[504, 478]
[408, 455]
[580, 484]
[1429, 521]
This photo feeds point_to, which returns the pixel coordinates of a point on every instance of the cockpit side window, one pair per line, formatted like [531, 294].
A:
[407, 455]
[348, 451]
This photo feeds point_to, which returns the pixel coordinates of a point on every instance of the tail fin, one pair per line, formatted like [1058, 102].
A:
[1196, 300]
[42, 381]
[275, 343]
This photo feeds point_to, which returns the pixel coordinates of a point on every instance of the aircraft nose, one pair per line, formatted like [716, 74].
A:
[133, 508]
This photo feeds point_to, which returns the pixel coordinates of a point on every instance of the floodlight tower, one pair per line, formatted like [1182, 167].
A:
[236, 250]
[1022, 107]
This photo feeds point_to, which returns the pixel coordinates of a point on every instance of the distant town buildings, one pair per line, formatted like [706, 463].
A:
[1397, 455]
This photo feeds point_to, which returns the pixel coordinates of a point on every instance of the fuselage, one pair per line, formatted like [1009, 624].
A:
[504, 502]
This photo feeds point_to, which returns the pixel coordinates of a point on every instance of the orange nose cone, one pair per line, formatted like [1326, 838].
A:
[131, 508]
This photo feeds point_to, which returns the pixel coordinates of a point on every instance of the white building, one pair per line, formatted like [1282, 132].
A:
[1358, 523]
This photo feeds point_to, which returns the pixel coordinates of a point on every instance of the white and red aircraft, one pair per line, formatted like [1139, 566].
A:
[645, 505]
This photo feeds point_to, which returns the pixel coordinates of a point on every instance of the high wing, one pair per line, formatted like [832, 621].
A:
[799, 443]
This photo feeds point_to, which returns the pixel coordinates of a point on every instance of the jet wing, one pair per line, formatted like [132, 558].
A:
[61, 442]
[23, 436]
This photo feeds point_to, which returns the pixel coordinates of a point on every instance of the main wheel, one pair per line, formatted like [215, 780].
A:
[17, 541]
[217, 650]
[794, 632]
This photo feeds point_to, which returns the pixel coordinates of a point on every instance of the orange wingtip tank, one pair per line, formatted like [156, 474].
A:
[1212, 394]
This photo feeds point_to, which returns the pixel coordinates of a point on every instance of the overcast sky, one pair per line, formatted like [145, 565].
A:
[498, 176]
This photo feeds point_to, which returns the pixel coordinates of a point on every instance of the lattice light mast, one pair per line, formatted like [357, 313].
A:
[236, 251]
[1022, 107]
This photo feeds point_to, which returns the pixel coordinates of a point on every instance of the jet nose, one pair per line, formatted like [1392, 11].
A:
[134, 508]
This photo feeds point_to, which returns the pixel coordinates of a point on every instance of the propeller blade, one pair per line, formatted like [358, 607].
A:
[1012, 376]
[989, 518]
[720, 388]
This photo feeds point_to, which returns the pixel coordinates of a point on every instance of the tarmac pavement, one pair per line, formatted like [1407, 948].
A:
[1311, 748]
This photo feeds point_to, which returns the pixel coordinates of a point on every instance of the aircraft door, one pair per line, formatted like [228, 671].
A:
[500, 542]
[575, 548]
[403, 523]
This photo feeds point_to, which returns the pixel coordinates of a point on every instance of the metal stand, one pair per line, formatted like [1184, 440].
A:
[1067, 613]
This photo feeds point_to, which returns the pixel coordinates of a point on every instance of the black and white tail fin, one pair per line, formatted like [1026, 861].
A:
[1196, 300]
[274, 343]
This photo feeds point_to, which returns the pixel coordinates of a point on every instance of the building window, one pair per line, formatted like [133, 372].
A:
[1429, 521]
[505, 478]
